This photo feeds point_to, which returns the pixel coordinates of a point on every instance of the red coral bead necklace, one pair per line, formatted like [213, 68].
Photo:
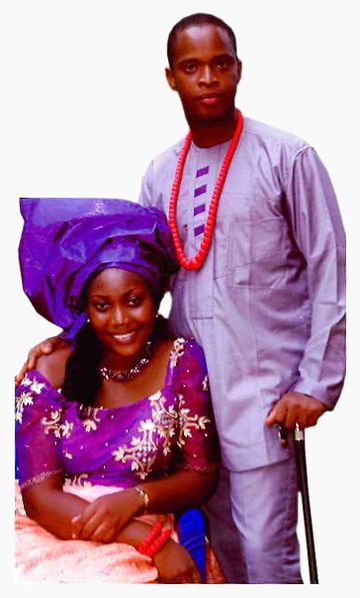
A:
[197, 260]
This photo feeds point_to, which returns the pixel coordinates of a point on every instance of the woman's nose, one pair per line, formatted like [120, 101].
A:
[118, 315]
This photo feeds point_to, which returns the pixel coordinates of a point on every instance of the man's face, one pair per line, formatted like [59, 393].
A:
[205, 73]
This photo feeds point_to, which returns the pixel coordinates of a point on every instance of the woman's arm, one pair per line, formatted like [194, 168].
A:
[106, 516]
[54, 510]
[50, 507]
[180, 490]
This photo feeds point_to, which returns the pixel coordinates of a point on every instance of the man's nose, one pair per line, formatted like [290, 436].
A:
[207, 75]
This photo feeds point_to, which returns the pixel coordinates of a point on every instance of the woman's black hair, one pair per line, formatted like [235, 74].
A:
[82, 378]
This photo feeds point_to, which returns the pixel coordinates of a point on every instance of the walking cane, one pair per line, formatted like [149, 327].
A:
[299, 437]
[300, 456]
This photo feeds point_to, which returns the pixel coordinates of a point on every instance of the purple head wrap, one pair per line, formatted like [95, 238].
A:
[65, 241]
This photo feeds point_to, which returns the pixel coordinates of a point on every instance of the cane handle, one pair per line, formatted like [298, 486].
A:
[298, 433]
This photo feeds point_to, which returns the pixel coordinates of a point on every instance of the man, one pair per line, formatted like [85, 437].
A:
[266, 303]
[258, 230]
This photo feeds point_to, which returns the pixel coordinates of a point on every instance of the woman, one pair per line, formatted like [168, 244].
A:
[115, 434]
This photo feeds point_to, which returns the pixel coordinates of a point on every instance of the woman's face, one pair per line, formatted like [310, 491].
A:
[121, 311]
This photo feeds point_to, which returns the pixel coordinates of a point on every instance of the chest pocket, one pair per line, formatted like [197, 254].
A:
[256, 246]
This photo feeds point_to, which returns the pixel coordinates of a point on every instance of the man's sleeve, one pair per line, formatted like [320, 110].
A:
[146, 196]
[318, 231]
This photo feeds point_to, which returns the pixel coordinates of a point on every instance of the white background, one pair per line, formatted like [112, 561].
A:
[85, 106]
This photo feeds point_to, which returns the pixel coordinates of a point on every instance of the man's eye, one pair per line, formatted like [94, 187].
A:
[222, 64]
[190, 67]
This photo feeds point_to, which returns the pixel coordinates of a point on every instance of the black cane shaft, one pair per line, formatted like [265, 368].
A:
[304, 489]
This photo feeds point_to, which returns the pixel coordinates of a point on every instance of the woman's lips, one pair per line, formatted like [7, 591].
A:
[124, 338]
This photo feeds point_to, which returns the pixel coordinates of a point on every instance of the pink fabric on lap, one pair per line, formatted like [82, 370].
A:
[42, 557]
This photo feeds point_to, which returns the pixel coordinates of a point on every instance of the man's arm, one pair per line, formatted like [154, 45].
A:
[317, 228]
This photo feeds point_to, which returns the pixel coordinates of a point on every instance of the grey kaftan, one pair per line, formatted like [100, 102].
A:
[268, 304]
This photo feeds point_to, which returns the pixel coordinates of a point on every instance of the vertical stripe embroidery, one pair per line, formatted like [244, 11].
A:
[200, 208]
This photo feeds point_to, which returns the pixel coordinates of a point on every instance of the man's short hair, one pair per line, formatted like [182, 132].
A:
[198, 19]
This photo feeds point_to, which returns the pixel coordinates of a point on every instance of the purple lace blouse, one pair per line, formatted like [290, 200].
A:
[169, 430]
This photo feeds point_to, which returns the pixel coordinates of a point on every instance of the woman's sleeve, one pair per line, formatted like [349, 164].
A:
[197, 442]
[37, 429]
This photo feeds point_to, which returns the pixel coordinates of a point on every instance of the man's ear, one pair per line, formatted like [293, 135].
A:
[239, 68]
[170, 79]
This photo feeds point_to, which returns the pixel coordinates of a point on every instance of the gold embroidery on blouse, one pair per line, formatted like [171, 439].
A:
[177, 351]
[35, 386]
[165, 420]
[205, 384]
[21, 402]
[164, 424]
[187, 421]
[26, 397]
[143, 450]
[26, 381]
[78, 479]
[53, 425]
[92, 418]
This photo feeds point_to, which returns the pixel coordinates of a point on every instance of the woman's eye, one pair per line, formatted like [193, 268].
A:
[134, 301]
[101, 306]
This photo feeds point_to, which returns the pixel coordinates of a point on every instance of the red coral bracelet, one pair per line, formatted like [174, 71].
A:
[153, 533]
[154, 540]
[160, 540]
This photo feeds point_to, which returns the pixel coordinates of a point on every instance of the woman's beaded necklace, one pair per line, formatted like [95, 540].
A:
[197, 260]
[124, 375]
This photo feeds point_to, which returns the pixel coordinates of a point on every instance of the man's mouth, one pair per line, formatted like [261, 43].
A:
[210, 99]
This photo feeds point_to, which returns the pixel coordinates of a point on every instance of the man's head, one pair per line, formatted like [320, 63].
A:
[204, 68]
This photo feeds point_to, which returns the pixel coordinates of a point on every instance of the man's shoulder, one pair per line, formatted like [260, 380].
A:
[255, 129]
[169, 154]
[268, 134]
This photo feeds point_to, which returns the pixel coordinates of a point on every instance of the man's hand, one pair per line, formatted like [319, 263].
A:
[296, 408]
[44, 348]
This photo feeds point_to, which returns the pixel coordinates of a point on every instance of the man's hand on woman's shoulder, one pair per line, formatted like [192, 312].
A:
[45, 348]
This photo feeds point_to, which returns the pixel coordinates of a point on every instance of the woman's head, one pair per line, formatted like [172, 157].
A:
[67, 243]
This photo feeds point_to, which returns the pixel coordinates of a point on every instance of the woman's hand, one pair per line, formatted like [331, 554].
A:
[44, 348]
[103, 519]
[175, 565]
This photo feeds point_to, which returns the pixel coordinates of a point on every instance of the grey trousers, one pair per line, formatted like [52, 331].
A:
[252, 524]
